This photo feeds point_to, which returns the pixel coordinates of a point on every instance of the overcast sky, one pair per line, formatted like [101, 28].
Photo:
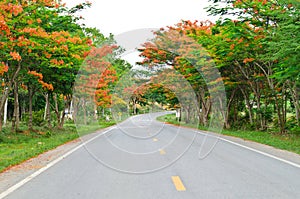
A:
[118, 16]
[131, 21]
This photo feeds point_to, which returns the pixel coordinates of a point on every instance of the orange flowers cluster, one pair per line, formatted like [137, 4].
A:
[46, 85]
[56, 62]
[15, 56]
[48, 55]
[36, 32]
[30, 22]
[247, 60]
[3, 26]
[22, 41]
[12, 8]
[76, 56]
[36, 74]
[40, 80]
[75, 40]
[232, 46]
[3, 68]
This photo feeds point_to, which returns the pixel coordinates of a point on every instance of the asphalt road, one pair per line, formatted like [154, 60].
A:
[144, 159]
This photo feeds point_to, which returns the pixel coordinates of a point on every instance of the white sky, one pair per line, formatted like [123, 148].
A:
[131, 21]
[118, 16]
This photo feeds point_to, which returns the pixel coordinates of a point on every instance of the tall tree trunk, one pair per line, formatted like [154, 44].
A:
[259, 116]
[248, 105]
[134, 107]
[6, 92]
[30, 94]
[279, 115]
[205, 107]
[48, 113]
[16, 114]
[229, 103]
[268, 73]
[45, 111]
[56, 110]
[84, 111]
[5, 112]
[62, 120]
[95, 112]
[74, 105]
[188, 114]
[295, 92]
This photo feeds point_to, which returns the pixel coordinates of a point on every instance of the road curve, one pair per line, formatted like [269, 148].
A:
[143, 158]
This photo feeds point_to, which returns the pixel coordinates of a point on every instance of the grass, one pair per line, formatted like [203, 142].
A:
[289, 142]
[86, 129]
[18, 147]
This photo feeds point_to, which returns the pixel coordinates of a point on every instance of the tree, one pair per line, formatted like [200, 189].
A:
[44, 38]
[182, 48]
[272, 22]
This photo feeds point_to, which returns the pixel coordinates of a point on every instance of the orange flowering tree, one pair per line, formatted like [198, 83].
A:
[41, 46]
[267, 35]
[182, 48]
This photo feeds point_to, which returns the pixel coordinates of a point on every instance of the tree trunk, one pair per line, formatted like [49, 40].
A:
[16, 114]
[95, 112]
[62, 121]
[259, 114]
[30, 93]
[5, 112]
[204, 109]
[188, 114]
[248, 106]
[295, 91]
[84, 111]
[48, 113]
[268, 73]
[45, 111]
[6, 91]
[279, 115]
[56, 110]
[134, 108]
[227, 114]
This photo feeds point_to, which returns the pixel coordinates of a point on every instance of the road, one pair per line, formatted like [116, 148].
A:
[145, 159]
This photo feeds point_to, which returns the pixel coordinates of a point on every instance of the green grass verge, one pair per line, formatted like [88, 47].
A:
[18, 147]
[87, 129]
[289, 142]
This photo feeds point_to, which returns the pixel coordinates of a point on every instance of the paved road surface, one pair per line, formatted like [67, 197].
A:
[145, 159]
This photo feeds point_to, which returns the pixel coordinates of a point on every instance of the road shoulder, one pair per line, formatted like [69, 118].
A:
[15, 174]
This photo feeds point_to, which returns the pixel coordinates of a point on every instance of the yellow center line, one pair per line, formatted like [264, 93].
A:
[178, 183]
[162, 152]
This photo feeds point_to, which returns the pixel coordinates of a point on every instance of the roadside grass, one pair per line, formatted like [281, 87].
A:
[289, 142]
[92, 127]
[15, 148]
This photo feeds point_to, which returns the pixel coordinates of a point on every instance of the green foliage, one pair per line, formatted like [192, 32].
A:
[37, 118]
[15, 148]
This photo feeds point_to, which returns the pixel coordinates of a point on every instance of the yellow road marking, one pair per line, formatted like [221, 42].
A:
[178, 183]
[155, 139]
[162, 152]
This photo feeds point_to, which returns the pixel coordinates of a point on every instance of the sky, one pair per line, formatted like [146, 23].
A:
[132, 21]
[119, 16]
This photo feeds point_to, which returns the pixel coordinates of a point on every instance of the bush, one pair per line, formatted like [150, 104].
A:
[37, 118]
[292, 125]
